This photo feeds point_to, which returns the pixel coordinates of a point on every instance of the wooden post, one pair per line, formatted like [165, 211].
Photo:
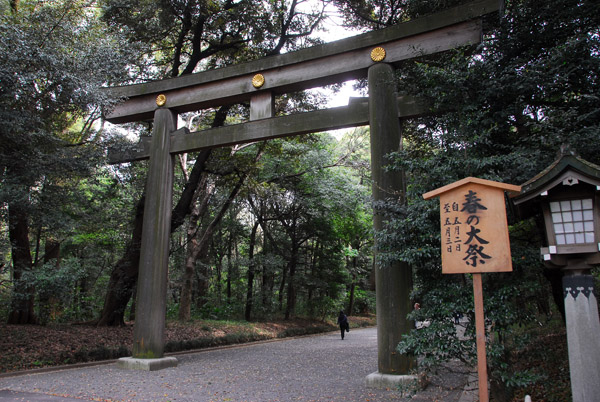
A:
[149, 328]
[474, 240]
[393, 281]
[480, 335]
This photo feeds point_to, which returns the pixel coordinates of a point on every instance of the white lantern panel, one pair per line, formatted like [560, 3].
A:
[573, 221]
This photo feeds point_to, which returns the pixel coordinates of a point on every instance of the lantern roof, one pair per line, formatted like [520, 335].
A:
[568, 170]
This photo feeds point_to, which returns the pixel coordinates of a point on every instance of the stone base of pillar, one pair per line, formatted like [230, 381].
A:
[384, 381]
[583, 327]
[131, 363]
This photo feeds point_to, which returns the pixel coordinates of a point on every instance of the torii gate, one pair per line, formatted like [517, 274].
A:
[372, 55]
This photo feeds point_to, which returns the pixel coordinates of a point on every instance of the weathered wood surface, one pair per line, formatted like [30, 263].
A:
[354, 115]
[393, 280]
[482, 374]
[262, 106]
[148, 331]
[329, 63]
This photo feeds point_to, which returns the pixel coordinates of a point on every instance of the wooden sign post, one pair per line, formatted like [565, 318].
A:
[475, 240]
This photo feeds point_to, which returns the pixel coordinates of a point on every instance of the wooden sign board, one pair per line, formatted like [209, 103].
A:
[474, 230]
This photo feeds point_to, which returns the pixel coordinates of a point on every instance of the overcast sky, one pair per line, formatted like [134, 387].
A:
[335, 32]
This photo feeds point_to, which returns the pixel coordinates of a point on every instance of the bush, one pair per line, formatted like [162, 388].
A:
[321, 307]
[217, 311]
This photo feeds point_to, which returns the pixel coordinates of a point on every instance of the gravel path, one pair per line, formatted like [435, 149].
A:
[316, 368]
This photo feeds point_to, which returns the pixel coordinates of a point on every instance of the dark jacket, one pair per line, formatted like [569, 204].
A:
[342, 320]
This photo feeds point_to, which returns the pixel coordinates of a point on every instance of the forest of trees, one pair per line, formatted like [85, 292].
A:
[268, 229]
[280, 228]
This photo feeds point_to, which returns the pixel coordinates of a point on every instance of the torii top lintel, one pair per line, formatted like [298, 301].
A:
[307, 68]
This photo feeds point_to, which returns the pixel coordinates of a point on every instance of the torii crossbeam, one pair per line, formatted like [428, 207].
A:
[373, 55]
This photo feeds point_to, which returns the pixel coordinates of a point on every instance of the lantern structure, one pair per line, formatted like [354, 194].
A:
[568, 195]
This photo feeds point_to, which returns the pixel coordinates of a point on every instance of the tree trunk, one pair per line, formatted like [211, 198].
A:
[282, 286]
[123, 277]
[201, 246]
[267, 282]
[249, 290]
[185, 304]
[219, 275]
[554, 276]
[229, 269]
[317, 248]
[290, 309]
[352, 285]
[48, 303]
[79, 301]
[351, 301]
[14, 6]
[133, 304]
[22, 303]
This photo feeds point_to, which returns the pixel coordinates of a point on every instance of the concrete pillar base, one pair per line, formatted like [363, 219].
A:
[384, 381]
[131, 363]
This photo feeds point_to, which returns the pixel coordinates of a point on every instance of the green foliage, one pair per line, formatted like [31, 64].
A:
[364, 302]
[5, 290]
[531, 86]
[546, 357]
[323, 307]
[54, 57]
[178, 39]
[304, 198]
[510, 103]
[222, 311]
[182, 38]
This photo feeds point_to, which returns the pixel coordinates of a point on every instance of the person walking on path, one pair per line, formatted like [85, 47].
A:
[343, 323]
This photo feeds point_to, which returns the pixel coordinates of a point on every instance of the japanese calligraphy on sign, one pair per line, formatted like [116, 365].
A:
[474, 231]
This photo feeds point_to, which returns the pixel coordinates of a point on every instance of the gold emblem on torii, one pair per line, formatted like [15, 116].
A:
[161, 100]
[378, 54]
[258, 81]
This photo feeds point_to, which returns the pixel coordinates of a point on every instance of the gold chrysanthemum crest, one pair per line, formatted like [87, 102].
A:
[161, 100]
[258, 81]
[378, 54]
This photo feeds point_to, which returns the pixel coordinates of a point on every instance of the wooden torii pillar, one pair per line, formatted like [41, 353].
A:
[373, 55]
